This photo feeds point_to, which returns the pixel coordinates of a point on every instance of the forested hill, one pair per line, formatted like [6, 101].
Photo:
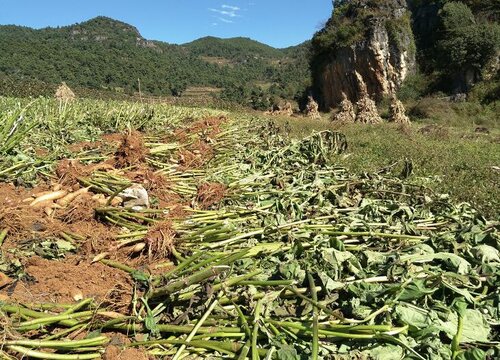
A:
[234, 48]
[103, 53]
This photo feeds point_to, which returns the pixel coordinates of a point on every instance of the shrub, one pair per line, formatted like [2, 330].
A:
[466, 44]
[414, 87]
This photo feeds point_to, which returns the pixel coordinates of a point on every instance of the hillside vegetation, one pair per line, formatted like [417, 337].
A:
[103, 53]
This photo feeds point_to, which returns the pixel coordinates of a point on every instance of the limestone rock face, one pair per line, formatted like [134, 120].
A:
[383, 54]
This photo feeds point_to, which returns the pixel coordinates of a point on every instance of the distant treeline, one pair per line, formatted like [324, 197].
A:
[110, 55]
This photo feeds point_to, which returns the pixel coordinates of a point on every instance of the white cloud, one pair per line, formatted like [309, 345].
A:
[225, 20]
[230, 7]
[226, 13]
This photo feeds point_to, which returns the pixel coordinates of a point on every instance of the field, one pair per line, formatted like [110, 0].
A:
[136, 231]
[461, 161]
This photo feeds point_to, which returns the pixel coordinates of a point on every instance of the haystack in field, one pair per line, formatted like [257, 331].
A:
[367, 108]
[312, 108]
[397, 112]
[346, 115]
[284, 109]
[64, 93]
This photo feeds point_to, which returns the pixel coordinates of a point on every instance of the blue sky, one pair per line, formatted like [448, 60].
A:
[279, 23]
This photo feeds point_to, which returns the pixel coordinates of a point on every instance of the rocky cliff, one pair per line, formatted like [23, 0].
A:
[371, 40]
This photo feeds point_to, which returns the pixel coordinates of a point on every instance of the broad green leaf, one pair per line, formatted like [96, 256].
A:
[486, 254]
[413, 316]
[472, 354]
[385, 352]
[65, 245]
[287, 352]
[476, 328]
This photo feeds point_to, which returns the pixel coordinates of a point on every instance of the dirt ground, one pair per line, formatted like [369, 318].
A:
[75, 275]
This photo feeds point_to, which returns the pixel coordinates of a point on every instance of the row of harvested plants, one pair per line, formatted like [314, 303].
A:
[239, 243]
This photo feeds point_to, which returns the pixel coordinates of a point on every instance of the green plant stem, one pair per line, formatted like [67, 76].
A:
[255, 332]
[193, 279]
[455, 344]
[51, 356]
[78, 306]
[267, 283]
[195, 329]
[244, 351]
[225, 284]
[55, 319]
[3, 236]
[315, 340]
[75, 344]
[158, 279]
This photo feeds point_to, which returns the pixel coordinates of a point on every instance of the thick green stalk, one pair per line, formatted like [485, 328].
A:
[191, 280]
[229, 348]
[51, 356]
[27, 313]
[195, 329]
[455, 345]
[267, 283]
[225, 284]
[174, 329]
[55, 319]
[157, 280]
[101, 340]
[209, 261]
[315, 340]
[3, 235]
[78, 306]
[244, 351]
[255, 332]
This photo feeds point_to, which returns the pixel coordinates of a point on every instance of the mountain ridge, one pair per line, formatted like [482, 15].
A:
[105, 20]
[104, 53]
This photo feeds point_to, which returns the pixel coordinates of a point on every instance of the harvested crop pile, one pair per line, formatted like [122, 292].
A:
[279, 254]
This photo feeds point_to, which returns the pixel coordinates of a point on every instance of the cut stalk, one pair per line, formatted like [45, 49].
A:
[51, 356]
[191, 280]
[195, 329]
[315, 340]
[3, 236]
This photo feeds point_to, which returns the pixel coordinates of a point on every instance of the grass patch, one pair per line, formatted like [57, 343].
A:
[459, 160]
[458, 115]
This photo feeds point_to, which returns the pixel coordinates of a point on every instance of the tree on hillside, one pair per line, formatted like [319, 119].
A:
[466, 45]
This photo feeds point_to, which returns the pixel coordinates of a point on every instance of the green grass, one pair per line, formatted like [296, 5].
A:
[458, 160]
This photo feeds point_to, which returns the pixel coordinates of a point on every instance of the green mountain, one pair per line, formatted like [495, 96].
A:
[235, 48]
[103, 53]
